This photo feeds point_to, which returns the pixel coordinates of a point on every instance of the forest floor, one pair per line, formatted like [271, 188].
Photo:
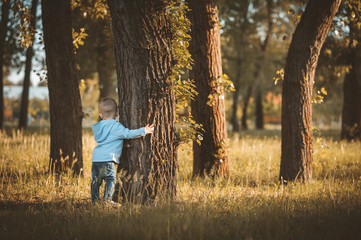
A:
[250, 204]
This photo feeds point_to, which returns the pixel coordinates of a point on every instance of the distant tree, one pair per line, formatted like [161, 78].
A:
[253, 40]
[97, 54]
[208, 106]
[105, 62]
[237, 32]
[5, 9]
[259, 63]
[351, 113]
[65, 106]
[23, 116]
[307, 41]
[259, 109]
[144, 65]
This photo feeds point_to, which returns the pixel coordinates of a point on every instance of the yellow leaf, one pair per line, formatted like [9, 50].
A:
[323, 90]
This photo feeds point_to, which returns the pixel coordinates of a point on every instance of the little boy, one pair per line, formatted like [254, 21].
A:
[109, 135]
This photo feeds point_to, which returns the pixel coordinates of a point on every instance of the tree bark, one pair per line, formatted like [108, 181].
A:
[144, 64]
[65, 104]
[23, 116]
[307, 41]
[211, 156]
[5, 8]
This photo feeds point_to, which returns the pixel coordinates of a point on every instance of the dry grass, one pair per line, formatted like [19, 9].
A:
[250, 204]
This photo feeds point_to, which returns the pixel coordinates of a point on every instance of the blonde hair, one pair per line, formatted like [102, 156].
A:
[108, 108]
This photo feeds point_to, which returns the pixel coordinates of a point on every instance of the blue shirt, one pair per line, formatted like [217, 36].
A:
[109, 135]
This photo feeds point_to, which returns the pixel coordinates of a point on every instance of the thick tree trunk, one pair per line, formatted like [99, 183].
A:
[105, 66]
[211, 156]
[144, 64]
[307, 41]
[5, 7]
[259, 110]
[65, 105]
[23, 117]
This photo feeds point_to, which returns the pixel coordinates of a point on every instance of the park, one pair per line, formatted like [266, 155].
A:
[239, 119]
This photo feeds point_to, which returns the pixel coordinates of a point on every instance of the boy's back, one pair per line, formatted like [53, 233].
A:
[109, 135]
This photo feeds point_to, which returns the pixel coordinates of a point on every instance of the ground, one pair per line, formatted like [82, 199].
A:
[250, 204]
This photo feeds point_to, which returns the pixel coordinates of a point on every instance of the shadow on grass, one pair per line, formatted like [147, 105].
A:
[272, 220]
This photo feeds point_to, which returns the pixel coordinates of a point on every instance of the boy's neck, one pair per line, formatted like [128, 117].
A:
[108, 118]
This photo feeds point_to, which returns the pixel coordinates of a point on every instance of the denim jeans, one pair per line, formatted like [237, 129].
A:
[103, 171]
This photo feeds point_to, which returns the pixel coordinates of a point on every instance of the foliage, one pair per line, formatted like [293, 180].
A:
[32, 201]
[319, 98]
[219, 86]
[184, 88]
[26, 31]
[78, 38]
[96, 9]
[280, 75]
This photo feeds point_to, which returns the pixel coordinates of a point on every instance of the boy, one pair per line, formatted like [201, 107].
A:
[109, 135]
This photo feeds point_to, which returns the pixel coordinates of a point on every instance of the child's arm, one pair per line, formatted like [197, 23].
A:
[125, 133]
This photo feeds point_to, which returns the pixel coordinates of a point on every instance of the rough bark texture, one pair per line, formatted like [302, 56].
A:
[307, 41]
[23, 116]
[210, 157]
[144, 63]
[65, 105]
[5, 7]
[351, 112]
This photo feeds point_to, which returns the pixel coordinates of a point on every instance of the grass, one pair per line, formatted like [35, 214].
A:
[250, 204]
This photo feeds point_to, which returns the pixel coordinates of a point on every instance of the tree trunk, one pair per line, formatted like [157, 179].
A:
[257, 70]
[239, 60]
[5, 7]
[144, 65]
[235, 124]
[105, 66]
[259, 110]
[245, 107]
[211, 156]
[65, 104]
[23, 116]
[351, 112]
[307, 41]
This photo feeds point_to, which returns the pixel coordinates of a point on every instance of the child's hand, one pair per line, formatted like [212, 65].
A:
[149, 129]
